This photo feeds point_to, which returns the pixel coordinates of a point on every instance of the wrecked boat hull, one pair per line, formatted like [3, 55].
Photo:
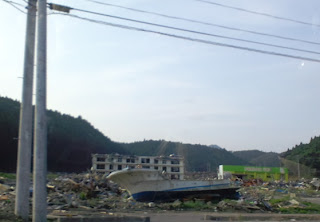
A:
[151, 185]
[169, 196]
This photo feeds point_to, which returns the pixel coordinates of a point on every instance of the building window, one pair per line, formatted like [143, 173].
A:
[119, 159]
[175, 177]
[164, 161]
[156, 167]
[146, 167]
[175, 169]
[175, 162]
[164, 169]
[100, 166]
[145, 160]
[130, 160]
[119, 167]
[101, 159]
[111, 167]
[156, 161]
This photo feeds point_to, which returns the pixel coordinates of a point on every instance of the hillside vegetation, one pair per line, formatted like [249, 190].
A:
[197, 157]
[307, 154]
[70, 140]
[9, 127]
[259, 158]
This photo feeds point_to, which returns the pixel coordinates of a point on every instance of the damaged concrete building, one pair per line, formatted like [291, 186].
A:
[173, 165]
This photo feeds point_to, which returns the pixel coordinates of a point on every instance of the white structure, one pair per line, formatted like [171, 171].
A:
[106, 163]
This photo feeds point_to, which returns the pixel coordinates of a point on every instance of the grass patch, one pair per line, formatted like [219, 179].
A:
[303, 208]
[310, 192]
[197, 205]
[308, 208]
[280, 200]
[82, 196]
[52, 176]
[8, 175]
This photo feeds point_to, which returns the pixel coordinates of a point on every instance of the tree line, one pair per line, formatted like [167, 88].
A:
[72, 140]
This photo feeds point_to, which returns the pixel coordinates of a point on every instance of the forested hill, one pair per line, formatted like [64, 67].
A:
[197, 157]
[9, 124]
[307, 154]
[70, 140]
[259, 158]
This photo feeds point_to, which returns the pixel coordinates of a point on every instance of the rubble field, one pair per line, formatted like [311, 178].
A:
[87, 194]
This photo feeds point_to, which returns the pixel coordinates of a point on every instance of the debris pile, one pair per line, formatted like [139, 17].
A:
[316, 182]
[292, 197]
[7, 196]
[94, 193]
[86, 191]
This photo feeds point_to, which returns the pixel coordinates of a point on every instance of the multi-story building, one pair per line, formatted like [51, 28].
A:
[172, 165]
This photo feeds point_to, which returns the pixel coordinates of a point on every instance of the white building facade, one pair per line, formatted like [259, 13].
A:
[172, 165]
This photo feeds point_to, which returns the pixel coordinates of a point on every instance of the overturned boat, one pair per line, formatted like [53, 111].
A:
[152, 185]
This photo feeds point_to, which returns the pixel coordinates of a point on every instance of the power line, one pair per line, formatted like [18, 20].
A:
[192, 39]
[21, 5]
[194, 32]
[205, 23]
[258, 13]
[30, 3]
[13, 4]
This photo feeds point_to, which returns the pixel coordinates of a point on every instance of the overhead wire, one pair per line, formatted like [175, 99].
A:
[192, 39]
[192, 31]
[13, 4]
[24, 6]
[205, 23]
[31, 3]
[258, 13]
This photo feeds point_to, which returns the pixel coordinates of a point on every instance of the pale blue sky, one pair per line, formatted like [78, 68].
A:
[135, 85]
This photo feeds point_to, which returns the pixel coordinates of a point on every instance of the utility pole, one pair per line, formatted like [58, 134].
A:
[25, 126]
[39, 211]
[298, 167]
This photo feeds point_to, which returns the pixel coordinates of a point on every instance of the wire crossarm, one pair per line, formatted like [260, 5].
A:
[60, 8]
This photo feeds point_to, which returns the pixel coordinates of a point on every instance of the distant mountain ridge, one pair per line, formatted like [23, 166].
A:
[72, 140]
[259, 158]
[197, 157]
[215, 146]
